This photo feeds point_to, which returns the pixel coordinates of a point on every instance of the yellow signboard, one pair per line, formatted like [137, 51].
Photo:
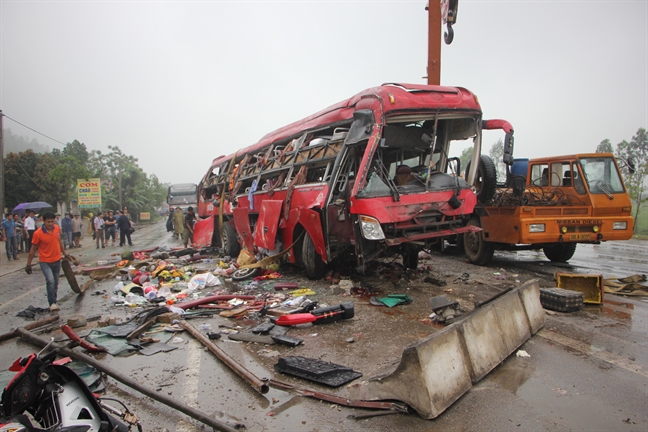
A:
[145, 216]
[89, 191]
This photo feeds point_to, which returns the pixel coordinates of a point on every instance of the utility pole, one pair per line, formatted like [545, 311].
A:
[2, 183]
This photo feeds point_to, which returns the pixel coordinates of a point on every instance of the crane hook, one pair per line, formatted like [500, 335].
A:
[449, 35]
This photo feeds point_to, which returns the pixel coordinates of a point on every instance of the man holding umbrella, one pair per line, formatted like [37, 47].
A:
[47, 240]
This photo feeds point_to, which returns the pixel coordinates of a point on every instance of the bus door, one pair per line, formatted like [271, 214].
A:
[338, 219]
[265, 232]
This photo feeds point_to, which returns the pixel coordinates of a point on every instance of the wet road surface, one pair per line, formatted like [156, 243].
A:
[588, 370]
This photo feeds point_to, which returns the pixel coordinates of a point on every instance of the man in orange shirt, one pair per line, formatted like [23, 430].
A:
[47, 240]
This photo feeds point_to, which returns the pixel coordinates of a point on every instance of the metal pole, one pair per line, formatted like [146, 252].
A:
[259, 384]
[191, 412]
[2, 184]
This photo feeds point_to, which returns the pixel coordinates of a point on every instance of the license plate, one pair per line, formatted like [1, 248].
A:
[578, 237]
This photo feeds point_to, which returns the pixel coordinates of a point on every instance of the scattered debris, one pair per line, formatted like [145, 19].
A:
[330, 374]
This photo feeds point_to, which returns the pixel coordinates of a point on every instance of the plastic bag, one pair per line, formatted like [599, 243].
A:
[203, 280]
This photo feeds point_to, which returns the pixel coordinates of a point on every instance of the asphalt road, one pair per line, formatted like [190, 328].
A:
[586, 371]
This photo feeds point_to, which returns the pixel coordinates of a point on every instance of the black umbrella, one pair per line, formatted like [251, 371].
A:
[36, 206]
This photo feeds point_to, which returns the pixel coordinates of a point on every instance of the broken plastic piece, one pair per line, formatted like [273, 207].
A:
[287, 340]
[330, 374]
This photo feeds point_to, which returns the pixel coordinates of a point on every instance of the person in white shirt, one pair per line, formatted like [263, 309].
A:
[99, 226]
[30, 227]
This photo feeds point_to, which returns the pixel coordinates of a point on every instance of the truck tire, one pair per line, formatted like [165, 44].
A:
[315, 267]
[229, 240]
[560, 252]
[486, 179]
[478, 251]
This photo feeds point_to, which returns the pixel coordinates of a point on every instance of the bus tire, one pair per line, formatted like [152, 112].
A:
[486, 179]
[229, 240]
[478, 251]
[410, 257]
[315, 267]
[560, 252]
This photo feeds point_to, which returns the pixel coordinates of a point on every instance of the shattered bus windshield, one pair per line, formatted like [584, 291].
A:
[601, 175]
[413, 156]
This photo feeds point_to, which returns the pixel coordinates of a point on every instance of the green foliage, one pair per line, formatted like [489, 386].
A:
[52, 177]
[636, 150]
[465, 157]
[17, 143]
[605, 147]
[496, 153]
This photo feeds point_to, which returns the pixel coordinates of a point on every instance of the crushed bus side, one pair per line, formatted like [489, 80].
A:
[367, 177]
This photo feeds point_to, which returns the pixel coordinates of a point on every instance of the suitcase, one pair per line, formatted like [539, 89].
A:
[561, 300]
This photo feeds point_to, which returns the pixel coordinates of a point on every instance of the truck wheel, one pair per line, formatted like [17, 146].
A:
[478, 251]
[410, 257]
[560, 252]
[229, 240]
[315, 267]
[486, 179]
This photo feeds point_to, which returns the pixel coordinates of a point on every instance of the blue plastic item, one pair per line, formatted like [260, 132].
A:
[520, 167]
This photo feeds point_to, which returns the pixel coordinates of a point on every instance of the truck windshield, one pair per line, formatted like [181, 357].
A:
[601, 175]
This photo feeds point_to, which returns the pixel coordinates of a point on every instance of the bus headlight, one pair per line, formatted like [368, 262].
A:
[537, 228]
[620, 225]
[371, 229]
[595, 228]
[563, 229]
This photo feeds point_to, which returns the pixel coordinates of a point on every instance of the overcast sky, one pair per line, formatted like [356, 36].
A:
[177, 84]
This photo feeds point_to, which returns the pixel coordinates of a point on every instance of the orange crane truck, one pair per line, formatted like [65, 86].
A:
[551, 203]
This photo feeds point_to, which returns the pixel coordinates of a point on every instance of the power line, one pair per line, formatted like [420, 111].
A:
[55, 140]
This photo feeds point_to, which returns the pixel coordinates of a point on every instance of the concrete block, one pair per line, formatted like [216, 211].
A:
[76, 321]
[436, 371]
[530, 294]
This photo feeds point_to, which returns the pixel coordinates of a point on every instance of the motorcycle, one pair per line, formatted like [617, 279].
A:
[57, 399]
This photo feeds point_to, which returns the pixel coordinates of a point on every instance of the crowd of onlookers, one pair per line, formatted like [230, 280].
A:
[18, 230]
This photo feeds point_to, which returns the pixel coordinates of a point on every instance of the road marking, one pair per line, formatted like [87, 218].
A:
[587, 349]
[15, 299]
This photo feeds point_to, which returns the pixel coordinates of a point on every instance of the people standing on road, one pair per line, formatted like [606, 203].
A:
[190, 220]
[30, 227]
[124, 225]
[110, 227]
[66, 226]
[99, 229]
[169, 222]
[47, 241]
[76, 231]
[178, 223]
[19, 232]
[9, 234]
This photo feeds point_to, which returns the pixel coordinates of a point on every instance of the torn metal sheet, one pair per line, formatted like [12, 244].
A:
[436, 371]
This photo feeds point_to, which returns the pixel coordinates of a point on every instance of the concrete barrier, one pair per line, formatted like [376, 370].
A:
[436, 371]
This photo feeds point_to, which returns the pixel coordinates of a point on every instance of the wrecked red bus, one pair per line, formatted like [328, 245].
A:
[368, 177]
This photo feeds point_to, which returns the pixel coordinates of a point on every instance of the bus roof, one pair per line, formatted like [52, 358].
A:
[394, 98]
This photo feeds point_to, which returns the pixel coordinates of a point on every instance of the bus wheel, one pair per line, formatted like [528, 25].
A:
[478, 251]
[230, 242]
[410, 257]
[315, 267]
[486, 178]
[560, 252]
